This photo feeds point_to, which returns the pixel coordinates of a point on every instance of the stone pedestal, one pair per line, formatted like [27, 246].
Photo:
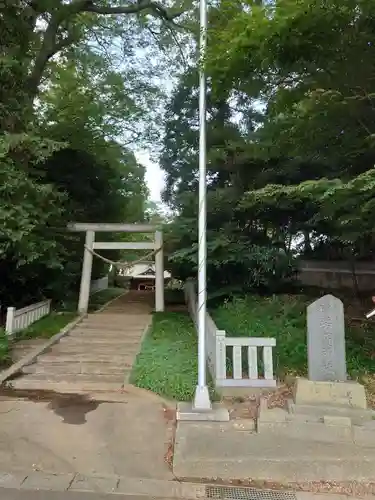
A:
[329, 412]
[349, 394]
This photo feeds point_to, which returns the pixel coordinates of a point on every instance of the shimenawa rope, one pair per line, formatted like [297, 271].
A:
[124, 265]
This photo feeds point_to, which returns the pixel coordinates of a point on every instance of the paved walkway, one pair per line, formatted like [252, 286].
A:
[74, 411]
[98, 354]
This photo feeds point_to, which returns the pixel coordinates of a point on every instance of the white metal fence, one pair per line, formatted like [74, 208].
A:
[19, 319]
[234, 361]
[99, 284]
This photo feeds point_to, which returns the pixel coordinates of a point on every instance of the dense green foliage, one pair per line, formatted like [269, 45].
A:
[291, 130]
[283, 317]
[290, 134]
[74, 97]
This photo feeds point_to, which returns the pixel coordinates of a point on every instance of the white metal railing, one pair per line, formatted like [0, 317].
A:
[19, 319]
[234, 361]
[99, 284]
[244, 361]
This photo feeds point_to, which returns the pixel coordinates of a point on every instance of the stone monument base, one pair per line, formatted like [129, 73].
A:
[350, 394]
[322, 411]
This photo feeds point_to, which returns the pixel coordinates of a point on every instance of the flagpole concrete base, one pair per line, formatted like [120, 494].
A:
[187, 412]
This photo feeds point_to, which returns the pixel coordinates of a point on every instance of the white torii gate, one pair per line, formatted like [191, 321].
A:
[91, 244]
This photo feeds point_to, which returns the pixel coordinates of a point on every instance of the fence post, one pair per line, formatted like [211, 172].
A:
[159, 272]
[10, 320]
[268, 363]
[221, 356]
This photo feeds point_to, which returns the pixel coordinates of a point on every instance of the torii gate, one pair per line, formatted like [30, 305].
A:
[91, 244]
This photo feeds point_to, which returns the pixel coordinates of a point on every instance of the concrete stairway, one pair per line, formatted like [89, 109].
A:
[97, 355]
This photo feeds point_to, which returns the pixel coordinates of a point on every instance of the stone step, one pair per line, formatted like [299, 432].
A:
[78, 339]
[118, 318]
[126, 319]
[87, 357]
[108, 332]
[112, 328]
[139, 315]
[82, 378]
[200, 452]
[81, 348]
[73, 386]
[77, 368]
[123, 337]
[358, 416]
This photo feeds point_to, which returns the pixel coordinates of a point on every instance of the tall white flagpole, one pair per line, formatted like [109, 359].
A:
[202, 398]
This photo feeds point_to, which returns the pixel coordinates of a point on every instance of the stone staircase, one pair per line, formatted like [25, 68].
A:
[97, 355]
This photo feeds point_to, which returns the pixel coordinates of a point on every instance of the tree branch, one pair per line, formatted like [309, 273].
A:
[45, 53]
[66, 12]
[159, 10]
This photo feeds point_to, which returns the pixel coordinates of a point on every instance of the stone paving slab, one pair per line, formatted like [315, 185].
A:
[44, 481]
[72, 482]
[94, 483]
[12, 480]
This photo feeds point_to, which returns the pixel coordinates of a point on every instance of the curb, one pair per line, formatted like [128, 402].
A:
[133, 486]
[73, 482]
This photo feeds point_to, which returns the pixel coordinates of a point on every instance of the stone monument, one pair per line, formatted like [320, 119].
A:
[327, 381]
[325, 407]
[326, 340]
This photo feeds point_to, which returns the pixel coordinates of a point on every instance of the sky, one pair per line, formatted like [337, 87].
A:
[154, 175]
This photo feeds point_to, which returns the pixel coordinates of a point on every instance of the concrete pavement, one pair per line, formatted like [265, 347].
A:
[75, 434]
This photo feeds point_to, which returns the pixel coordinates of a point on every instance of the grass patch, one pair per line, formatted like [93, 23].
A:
[284, 318]
[5, 354]
[167, 363]
[46, 327]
